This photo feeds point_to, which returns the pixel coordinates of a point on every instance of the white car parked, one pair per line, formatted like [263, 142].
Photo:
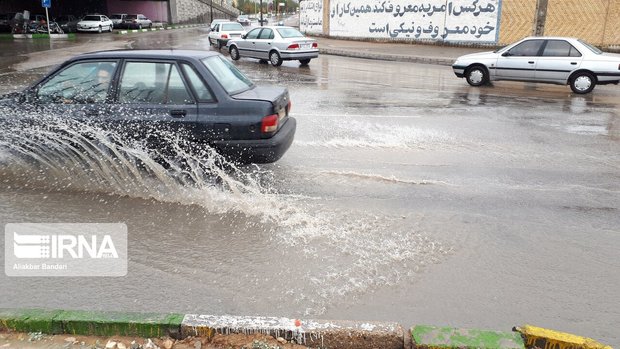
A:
[223, 32]
[95, 23]
[555, 60]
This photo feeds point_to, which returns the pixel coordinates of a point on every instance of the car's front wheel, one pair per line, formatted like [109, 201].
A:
[234, 53]
[477, 75]
[100, 30]
[275, 58]
[304, 61]
[110, 28]
[582, 83]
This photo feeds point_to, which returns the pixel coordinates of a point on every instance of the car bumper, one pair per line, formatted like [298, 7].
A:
[295, 55]
[260, 150]
[459, 70]
[96, 29]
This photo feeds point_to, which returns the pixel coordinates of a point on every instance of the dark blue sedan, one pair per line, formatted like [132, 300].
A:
[199, 94]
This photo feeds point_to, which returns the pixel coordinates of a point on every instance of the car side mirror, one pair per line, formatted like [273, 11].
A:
[506, 54]
[243, 36]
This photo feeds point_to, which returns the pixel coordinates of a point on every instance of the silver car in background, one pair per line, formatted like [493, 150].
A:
[555, 60]
[276, 44]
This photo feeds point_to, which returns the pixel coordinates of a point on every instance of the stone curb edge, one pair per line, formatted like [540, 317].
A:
[387, 57]
[36, 36]
[133, 31]
[73, 35]
[313, 333]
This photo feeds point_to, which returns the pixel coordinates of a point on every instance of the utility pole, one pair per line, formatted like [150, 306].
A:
[261, 13]
[211, 2]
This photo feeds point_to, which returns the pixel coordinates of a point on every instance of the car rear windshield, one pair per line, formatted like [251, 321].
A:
[132, 16]
[232, 27]
[227, 75]
[92, 18]
[290, 33]
[116, 16]
[591, 47]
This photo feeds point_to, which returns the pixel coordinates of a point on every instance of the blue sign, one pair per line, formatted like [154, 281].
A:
[46, 3]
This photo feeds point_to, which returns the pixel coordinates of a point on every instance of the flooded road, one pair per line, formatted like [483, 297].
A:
[407, 196]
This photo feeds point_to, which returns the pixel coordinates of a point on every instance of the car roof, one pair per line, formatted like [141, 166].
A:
[276, 27]
[146, 54]
[551, 38]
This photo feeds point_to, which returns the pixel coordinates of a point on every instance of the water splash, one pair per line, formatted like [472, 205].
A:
[355, 251]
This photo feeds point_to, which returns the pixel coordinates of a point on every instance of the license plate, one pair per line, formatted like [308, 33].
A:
[306, 45]
[281, 113]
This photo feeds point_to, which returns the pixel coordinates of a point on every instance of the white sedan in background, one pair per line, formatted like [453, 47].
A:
[276, 44]
[554, 60]
[95, 23]
[223, 32]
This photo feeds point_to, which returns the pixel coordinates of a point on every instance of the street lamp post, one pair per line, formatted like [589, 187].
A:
[261, 13]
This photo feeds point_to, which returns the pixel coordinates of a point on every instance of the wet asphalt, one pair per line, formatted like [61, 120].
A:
[407, 196]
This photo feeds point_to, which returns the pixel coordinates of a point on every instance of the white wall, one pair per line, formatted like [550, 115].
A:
[311, 16]
[436, 20]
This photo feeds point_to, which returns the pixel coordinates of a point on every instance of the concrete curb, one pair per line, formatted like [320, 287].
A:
[91, 323]
[387, 57]
[132, 31]
[312, 333]
[545, 338]
[451, 338]
[36, 36]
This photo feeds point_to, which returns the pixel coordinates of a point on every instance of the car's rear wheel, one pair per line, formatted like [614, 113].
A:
[275, 58]
[582, 83]
[139, 26]
[220, 44]
[234, 53]
[110, 27]
[304, 61]
[100, 30]
[477, 75]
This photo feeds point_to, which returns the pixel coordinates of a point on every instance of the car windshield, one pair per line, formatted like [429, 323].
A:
[116, 16]
[232, 27]
[131, 16]
[227, 75]
[92, 18]
[591, 47]
[290, 33]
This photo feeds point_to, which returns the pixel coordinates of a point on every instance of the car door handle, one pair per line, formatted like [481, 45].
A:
[531, 62]
[573, 63]
[178, 113]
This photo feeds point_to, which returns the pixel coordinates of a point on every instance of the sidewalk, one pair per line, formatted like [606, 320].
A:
[392, 51]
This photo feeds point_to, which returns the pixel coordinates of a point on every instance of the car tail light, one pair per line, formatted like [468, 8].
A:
[289, 106]
[224, 36]
[618, 66]
[269, 123]
[315, 45]
[293, 47]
